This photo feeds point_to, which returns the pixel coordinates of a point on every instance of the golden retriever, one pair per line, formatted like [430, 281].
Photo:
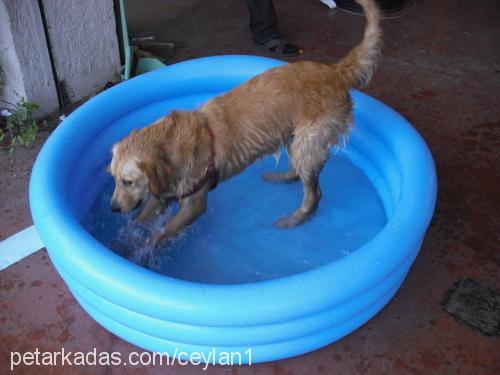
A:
[304, 106]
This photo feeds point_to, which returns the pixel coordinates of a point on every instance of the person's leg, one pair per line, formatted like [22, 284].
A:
[264, 26]
[263, 21]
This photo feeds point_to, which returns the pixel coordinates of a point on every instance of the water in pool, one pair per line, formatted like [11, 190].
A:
[236, 242]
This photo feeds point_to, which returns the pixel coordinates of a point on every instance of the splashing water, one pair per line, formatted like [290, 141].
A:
[235, 240]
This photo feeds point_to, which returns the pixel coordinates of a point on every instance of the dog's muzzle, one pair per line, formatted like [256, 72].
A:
[115, 207]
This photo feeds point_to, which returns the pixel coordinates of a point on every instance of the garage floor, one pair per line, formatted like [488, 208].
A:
[441, 69]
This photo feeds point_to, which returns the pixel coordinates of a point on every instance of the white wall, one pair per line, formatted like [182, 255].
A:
[84, 45]
[24, 57]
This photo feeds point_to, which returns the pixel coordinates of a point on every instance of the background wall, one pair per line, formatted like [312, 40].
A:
[24, 57]
[83, 41]
[84, 44]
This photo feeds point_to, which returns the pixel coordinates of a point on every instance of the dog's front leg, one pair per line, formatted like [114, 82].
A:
[190, 209]
[153, 207]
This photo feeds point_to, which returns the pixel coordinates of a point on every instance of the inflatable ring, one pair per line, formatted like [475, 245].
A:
[270, 319]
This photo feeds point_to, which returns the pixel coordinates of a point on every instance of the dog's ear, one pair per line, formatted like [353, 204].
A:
[158, 172]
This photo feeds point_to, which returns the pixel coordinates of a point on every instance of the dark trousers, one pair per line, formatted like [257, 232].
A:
[263, 20]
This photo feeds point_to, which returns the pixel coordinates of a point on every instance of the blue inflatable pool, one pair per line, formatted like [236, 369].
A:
[235, 283]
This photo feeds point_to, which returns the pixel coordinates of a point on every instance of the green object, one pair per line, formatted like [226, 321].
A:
[147, 64]
[21, 128]
[144, 64]
[128, 50]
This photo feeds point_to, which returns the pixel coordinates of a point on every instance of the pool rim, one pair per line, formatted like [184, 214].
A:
[180, 301]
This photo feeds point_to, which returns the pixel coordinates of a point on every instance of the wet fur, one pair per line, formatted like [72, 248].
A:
[304, 106]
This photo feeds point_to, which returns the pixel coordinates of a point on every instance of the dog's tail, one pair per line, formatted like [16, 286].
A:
[360, 62]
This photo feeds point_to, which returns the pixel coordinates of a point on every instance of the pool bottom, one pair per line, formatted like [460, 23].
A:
[235, 241]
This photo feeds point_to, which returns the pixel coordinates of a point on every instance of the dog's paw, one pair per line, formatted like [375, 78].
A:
[286, 222]
[160, 238]
[272, 177]
[279, 177]
[155, 239]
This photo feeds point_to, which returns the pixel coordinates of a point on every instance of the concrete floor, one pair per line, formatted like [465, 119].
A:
[440, 69]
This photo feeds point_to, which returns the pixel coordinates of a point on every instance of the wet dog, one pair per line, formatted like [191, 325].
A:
[304, 106]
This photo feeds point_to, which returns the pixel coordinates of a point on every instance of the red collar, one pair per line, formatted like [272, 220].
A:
[211, 174]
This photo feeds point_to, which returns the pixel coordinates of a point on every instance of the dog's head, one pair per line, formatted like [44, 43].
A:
[156, 159]
[137, 172]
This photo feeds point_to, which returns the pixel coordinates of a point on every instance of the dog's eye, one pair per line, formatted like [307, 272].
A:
[127, 182]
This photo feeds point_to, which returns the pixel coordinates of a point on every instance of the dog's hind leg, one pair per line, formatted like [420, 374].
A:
[308, 153]
[283, 177]
[312, 196]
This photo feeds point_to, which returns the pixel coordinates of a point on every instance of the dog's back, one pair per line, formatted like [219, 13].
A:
[255, 118]
[304, 106]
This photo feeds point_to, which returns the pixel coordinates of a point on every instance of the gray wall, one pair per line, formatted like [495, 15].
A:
[84, 45]
[24, 57]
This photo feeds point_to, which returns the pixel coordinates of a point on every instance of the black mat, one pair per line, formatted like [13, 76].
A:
[476, 305]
